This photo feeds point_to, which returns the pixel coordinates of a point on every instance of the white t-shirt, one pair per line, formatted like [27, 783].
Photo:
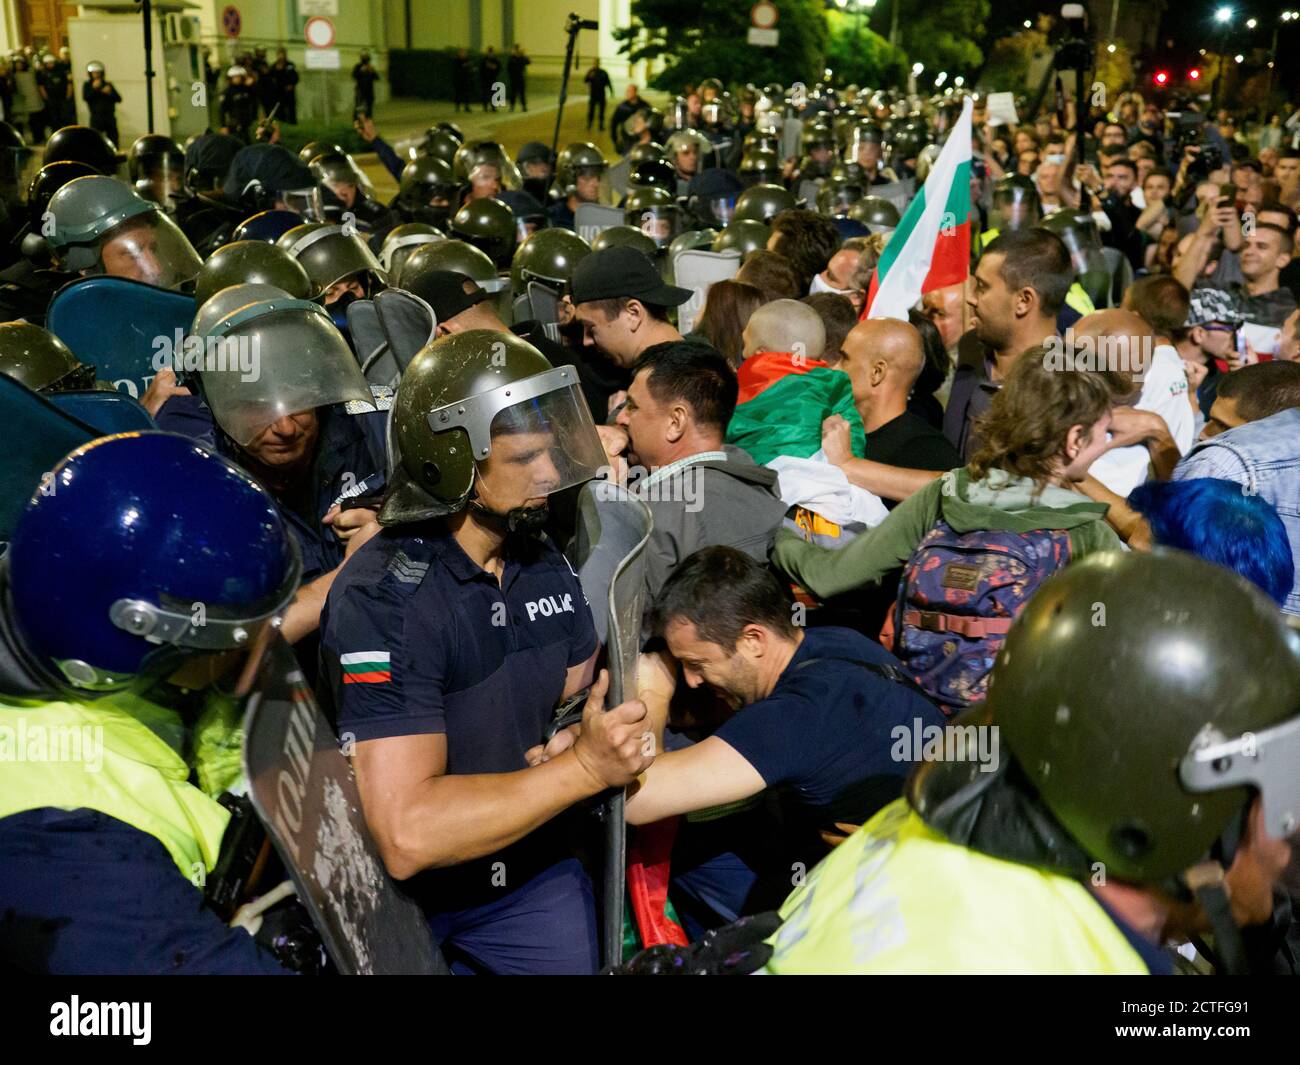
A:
[1164, 392]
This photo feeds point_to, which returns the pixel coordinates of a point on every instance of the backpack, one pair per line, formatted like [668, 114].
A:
[959, 594]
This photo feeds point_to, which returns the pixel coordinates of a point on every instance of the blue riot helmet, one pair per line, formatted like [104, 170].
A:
[146, 550]
[268, 226]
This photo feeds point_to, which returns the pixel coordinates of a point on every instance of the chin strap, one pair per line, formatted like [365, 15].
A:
[1211, 890]
[516, 520]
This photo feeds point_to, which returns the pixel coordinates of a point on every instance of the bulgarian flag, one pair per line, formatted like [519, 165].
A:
[931, 247]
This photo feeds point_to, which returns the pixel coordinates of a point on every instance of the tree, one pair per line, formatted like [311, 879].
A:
[858, 56]
[1007, 69]
[1115, 71]
[941, 34]
[698, 39]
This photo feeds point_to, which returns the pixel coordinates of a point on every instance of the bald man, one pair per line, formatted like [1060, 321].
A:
[883, 358]
[785, 326]
[1154, 429]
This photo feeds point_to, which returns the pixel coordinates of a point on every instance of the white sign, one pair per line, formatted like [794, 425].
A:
[322, 59]
[763, 15]
[1002, 109]
[319, 32]
[764, 38]
[318, 7]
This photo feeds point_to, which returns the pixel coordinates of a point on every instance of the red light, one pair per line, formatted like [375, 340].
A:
[1162, 77]
[1194, 74]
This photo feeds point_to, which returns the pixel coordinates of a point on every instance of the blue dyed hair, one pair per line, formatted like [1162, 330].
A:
[1219, 521]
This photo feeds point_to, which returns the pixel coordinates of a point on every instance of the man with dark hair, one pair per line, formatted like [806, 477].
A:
[807, 240]
[1162, 302]
[818, 712]
[1252, 437]
[839, 317]
[700, 491]
[1019, 287]
[771, 274]
[622, 303]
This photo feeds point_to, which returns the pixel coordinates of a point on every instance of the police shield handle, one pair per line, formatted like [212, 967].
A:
[612, 746]
[160, 390]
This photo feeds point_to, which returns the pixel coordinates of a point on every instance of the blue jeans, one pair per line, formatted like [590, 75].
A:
[547, 926]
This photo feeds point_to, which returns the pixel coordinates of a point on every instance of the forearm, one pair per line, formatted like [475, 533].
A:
[452, 819]
[888, 482]
[1188, 266]
[303, 616]
[1131, 527]
[1164, 454]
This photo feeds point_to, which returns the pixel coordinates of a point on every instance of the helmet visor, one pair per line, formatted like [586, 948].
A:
[150, 248]
[1015, 208]
[258, 366]
[721, 209]
[660, 224]
[161, 181]
[18, 166]
[530, 438]
[305, 202]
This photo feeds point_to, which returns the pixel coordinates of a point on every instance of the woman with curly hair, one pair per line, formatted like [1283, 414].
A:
[975, 542]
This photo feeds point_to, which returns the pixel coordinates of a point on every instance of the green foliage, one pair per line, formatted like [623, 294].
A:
[1009, 61]
[697, 39]
[341, 133]
[859, 56]
[941, 34]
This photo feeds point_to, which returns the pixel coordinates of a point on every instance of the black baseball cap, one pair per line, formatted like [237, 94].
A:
[623, 272]
[447, 292]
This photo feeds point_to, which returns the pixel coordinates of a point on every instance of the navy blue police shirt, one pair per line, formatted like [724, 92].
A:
[418, 639]
[826, 733]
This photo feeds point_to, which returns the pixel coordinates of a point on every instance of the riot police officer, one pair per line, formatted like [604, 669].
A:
[579, 171]
[448, 641]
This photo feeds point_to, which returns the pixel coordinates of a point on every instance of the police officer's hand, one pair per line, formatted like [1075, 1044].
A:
[365, 126]
[614, 747]
[160, 390]
[350, 524]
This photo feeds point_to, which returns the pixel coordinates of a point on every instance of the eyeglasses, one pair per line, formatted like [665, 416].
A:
[1211, 328]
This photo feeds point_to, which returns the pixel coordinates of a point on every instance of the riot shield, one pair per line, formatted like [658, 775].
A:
[791, 138]
[698, 270]
[607, 552]
[616, 178]
[408, 324]
[808, 190]
[105, 412]
[593, 218]
[899, 193]
[371, 346]
[123, 328]
[37, 436]
[543, 304]
[304, 791]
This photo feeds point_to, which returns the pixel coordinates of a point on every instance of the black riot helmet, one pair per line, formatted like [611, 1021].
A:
[83, 145]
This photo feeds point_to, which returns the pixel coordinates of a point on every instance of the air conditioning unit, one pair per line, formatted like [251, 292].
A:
[180, 29]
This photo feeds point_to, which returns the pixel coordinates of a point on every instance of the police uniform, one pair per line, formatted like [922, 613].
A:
[417, 639]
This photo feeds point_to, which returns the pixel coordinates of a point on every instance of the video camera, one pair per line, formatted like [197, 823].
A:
[577, 22]
[1074, 51]
[1187, 130]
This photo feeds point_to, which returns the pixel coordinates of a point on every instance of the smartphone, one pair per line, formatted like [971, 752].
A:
[1228, 196]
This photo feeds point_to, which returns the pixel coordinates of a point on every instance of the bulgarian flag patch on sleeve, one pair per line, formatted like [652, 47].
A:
[366, 667]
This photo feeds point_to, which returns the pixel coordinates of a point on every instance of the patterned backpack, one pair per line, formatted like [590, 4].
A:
[959, 594]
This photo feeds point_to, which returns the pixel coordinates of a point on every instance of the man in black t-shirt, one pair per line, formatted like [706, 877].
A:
[883, 358]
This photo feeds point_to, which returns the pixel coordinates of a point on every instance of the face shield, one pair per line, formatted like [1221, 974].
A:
[150, 248]
[1265, 761]
[1015, 208]
[530, 438]
[661, 224]
[718, 211]
[269, 360]
[161, 181]
[1084, 244]
[394, 255]
[836, 200]
[307, 203]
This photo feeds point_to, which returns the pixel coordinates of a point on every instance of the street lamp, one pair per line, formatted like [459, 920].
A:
[1223, 15]
[1251, 23]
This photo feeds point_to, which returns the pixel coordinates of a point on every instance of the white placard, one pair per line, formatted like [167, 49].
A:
[764, 38]
[1002, 109]
[329, 8]
[322, 58]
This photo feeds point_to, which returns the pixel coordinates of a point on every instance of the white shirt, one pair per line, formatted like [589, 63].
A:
[1164, 392]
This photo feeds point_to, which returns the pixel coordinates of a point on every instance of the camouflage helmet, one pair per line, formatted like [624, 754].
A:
[762, 203]
[457, 397]
[35, 357]
[744, 236]
[252, 262]
[549, 256]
